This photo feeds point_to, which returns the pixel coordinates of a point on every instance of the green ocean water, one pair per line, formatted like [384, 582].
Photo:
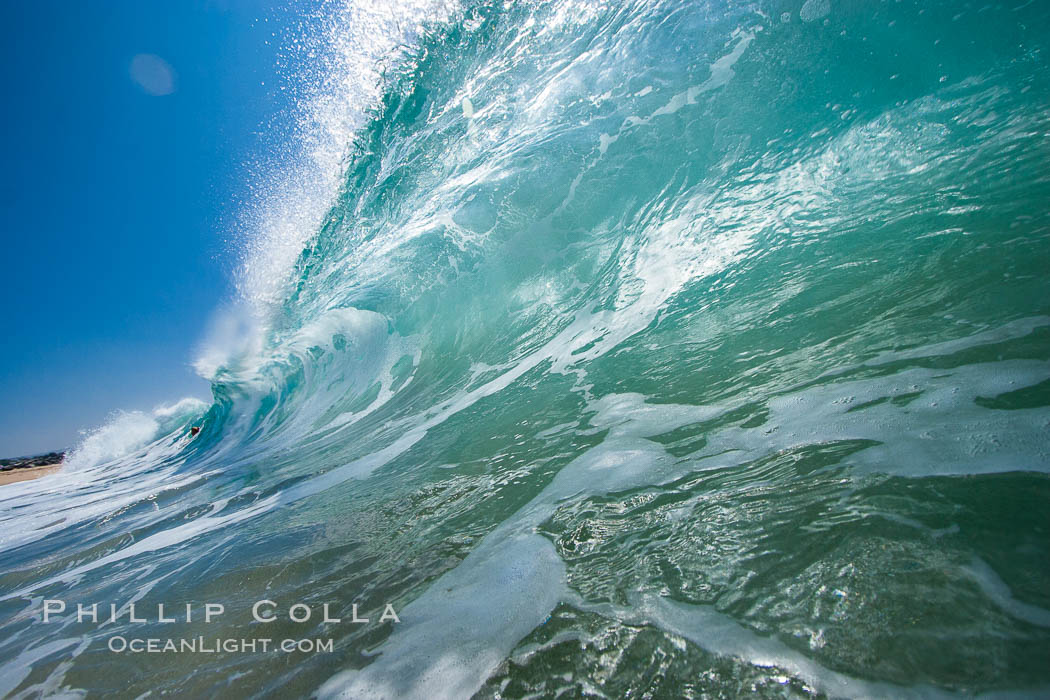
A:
[644, 349]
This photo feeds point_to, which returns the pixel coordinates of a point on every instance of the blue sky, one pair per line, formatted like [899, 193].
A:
[118, 205]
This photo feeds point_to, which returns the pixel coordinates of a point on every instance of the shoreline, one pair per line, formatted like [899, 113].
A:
[13, 471]
[13, 476]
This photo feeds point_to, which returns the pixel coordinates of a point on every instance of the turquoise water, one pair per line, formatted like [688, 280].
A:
[648, 349]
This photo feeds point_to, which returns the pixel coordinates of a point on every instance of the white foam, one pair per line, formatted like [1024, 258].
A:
[13, 672]
[422, 647]
[458, 631]
[996, 589]
[161, 540]
[813, 10]
[721, 73]
[133, 456]
[722, 635]
[942, 431]
[128, 432]
[463, 626]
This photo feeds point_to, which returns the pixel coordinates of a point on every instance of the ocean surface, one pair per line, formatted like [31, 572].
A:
[625, 349]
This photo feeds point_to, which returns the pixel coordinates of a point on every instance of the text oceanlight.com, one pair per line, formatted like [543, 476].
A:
[201, 645]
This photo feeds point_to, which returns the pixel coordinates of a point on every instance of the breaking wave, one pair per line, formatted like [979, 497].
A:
[681, 348]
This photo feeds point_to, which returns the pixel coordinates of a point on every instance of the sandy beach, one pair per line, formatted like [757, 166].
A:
[12, 476]
[27, 468]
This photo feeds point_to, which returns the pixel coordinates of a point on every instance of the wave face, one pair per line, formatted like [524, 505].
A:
[624, 348]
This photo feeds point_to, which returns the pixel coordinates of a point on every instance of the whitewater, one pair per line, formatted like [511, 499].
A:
[658, 349]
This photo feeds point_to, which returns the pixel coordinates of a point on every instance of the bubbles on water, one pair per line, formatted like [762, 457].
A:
[814, 10]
